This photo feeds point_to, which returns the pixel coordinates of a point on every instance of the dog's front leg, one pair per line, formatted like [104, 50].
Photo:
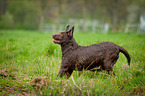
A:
[65, 71]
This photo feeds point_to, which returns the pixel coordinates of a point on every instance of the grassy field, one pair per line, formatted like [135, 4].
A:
[30, 61]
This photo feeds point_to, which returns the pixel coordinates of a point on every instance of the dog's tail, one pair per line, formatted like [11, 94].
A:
[125, 53]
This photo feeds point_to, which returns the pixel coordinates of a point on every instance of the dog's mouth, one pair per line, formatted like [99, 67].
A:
[57, 38]
[56, 41]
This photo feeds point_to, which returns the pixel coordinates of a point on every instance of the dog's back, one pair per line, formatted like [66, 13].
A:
[88, 57]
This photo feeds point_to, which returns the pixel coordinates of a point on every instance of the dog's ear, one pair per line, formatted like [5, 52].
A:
[67, 28]
[70, 32]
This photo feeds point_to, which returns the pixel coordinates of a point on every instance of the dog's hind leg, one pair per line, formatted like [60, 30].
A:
[108, 66]
[109, 62]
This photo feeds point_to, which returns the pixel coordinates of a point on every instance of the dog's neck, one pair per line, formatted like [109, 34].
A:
[66, 48]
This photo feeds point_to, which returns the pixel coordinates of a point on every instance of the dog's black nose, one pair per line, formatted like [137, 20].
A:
[53, 35]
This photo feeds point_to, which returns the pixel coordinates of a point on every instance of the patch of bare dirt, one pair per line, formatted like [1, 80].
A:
[4, 73]
[39, 83]
[139, 91]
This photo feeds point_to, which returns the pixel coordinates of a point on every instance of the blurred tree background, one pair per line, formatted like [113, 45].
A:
[34, 14]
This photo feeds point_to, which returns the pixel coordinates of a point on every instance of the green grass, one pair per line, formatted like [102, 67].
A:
[30, 61]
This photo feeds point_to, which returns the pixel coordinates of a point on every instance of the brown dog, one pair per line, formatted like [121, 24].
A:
[76, 57]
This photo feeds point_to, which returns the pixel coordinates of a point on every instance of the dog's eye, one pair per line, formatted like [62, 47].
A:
[62, 33]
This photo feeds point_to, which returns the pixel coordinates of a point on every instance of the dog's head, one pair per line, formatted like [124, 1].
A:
[63, 36]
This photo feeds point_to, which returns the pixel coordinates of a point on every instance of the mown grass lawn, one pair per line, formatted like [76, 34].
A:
[30, 61]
